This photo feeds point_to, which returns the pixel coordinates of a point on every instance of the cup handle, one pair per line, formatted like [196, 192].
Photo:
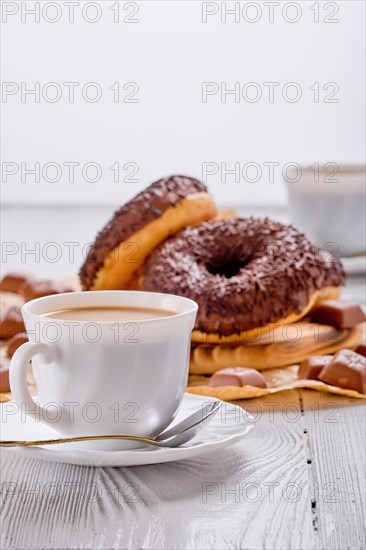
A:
[18, 376]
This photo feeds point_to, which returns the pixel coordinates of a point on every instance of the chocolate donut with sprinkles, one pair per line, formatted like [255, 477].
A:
[137, 228]
[245, 274]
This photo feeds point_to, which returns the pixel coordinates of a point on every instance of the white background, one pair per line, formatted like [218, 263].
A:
[169, 52]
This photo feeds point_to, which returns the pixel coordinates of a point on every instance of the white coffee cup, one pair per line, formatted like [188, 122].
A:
[328, 204]
[104, 378]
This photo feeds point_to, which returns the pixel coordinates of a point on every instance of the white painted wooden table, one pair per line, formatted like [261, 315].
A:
[296, 482]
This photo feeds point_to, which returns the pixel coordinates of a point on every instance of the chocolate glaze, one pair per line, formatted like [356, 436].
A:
[243, 273]
[133, 216]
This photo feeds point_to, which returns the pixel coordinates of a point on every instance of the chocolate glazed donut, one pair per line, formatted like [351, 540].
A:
[137, 228]
[243, 273]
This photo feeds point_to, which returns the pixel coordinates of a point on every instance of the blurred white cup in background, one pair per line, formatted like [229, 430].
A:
[328, 204]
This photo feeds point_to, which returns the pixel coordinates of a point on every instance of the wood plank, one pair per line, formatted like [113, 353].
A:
[43, 503]
[336, 448]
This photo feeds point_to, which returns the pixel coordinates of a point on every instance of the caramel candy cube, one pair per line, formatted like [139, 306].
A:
[347, 370]
[15, 343]
[38, 289]
[361, 348]
[341, 315]
[311, 367]
[13, 281]
[237, 376]
[4, 379]
[12, 323]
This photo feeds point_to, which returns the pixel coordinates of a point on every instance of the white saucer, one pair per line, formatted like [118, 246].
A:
[230, 424]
